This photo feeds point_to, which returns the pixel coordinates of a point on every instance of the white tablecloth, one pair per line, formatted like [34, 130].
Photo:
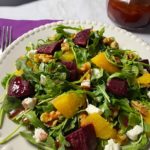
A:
[94, 10]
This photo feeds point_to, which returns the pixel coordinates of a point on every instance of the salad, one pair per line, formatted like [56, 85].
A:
[78, 90]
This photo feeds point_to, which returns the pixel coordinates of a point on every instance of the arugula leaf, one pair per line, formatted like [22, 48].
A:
[139, 145]
[96, 74]
[62, 27]
[61, 31]
[101, 89]
[63, 142]
[58, 54]
[123, 121]
[44, 107]
[48, 145]
[105, 109]
[2, 114]
[123, 104]
[134, 119]
[70, 125]
[56, 130]
[31, 115]
[11, 103]
[30, 46]
[94, 42]
[21, 64]
[6, 80]
[80, 54]
[147, 128]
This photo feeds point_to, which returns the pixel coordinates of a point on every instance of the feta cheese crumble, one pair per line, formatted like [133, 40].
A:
[96, 73]
[40, 135]
[92, 109]
[148, 94]
[42, 79]
[86, 84]
[29, 103]
[112, 145]
[133, 133]
[31, 52]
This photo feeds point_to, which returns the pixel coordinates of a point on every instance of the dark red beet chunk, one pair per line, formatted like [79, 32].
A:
[50, 48]
[72, 68]
[82, 38]
[20, 88]
[117, 86]
[146, 61]
[83, 138]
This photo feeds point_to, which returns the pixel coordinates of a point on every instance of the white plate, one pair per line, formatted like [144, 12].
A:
[17, 48]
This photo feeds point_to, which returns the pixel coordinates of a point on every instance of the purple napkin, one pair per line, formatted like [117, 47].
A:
[19, 27]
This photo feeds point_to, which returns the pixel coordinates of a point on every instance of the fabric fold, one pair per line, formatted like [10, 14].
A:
[20, 27]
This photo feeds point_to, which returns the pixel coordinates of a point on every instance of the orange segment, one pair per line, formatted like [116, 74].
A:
[102, 127]
[69, 103]
[144, 80]
[100, 61]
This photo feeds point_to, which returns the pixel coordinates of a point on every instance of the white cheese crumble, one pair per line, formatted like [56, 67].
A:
[133, 133]
[41, 67]
[42, 79]
[65, 40]
[40, 135]
[96, 73]
[148, 94]
[112, 145]
[29, 103]
[86, 84]
[92, 109]
[31, 52]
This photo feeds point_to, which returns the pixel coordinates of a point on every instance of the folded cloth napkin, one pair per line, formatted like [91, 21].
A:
[19, 27]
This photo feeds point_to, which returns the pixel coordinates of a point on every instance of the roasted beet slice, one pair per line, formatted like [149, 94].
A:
[117, 86]
[20, 88]
[72, 69]
[83, 138]
[50, 48]
[146, 61]
[82, 37]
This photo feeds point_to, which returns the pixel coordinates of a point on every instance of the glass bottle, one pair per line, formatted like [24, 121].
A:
[129, 14]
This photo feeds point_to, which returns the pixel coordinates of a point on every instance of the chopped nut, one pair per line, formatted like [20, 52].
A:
[140, 107]
[73, 35]
[85, 67]
[54, 123]
[25, 120]
[114, 44]
[143, 109]
[51, 118]
[117, 59]
[82, 116]
[130, 56]
[121, 139]
[111, 42]
[29, 64]
[65, 47]
[108, 40]
[42, 58]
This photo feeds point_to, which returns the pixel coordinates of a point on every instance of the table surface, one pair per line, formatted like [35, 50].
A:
[94, 10]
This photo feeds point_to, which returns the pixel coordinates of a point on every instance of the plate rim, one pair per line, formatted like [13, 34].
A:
[70, 22]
